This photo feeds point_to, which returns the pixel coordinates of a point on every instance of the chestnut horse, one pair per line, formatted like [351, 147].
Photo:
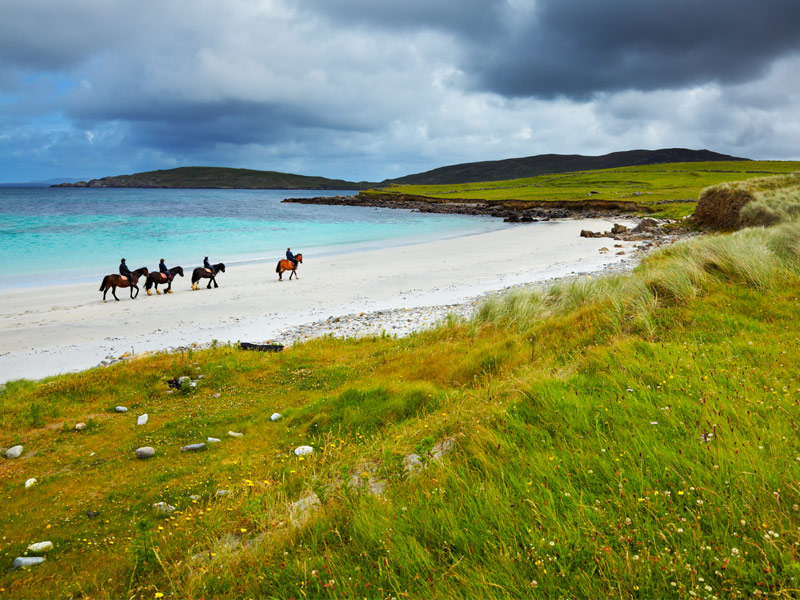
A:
[201, 272]
[287, 265]
[156, 277]
[112, 282]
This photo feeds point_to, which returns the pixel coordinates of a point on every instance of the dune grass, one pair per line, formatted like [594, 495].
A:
[666, 190]
[633, 436]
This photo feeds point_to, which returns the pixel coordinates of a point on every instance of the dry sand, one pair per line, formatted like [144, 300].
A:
[49, 330]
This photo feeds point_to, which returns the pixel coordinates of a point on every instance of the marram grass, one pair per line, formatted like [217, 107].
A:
[631, 437]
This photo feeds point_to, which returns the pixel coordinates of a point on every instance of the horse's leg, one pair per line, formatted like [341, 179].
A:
[214, 279]
[211, 279]
[105, 291]
[156, 286]
[114, 292]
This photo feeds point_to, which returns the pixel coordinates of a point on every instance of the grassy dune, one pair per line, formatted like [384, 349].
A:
[668, 190]
[633, 437]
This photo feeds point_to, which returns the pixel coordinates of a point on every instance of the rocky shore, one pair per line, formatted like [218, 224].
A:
[508, 210]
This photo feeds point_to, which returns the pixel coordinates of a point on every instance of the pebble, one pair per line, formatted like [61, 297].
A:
[145, 452]
[121, 409]
[30, 482]
[213, 440]
[275, 416]
[193, 448]
[183, 378]
[194, 497]
[217, 395]
[303, 450]
[14, 452]
[221, 493]
[40, 547]
[142, 419]
[163, 507]
[80, 426]
[27, 561]
[235, 434]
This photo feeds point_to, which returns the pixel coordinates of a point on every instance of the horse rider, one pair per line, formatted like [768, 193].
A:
[207, 265]
[162, 268]
[290, 256]
[125, 271]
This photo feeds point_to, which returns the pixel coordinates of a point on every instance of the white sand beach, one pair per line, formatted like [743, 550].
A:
[49, 330]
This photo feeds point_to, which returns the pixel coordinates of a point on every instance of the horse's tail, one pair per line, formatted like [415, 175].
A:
[148, 284]
[195, 277]
[103, 285]
[278, 267]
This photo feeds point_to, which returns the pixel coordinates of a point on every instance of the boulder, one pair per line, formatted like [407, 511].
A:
[40, 547]
[235, 434]
[145, 452]
[645, 225]
[303, 450]
[30, 482]
[121, 409]
[275, 416]
[617, 229]
[80, 426]
[27, 561]
[142, 420]
[14, 452]
[163, 507]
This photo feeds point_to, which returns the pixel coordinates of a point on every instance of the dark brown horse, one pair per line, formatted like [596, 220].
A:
[201, 272]
[156, 277]
[112, 282]
[287, 265]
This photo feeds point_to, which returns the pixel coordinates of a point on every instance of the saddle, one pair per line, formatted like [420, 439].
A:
[208, 270]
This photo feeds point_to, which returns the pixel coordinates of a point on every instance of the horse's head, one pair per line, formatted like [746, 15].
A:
[177, 271]
[299, 257]
[141, 271]
[219, 267]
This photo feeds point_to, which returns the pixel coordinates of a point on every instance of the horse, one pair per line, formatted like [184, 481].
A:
[156, 277]
[287, 265]
[201, 272]
[112, 282]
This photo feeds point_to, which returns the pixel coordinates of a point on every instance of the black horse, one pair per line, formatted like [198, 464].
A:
[156, 277]
[112, 282]
[201, 272]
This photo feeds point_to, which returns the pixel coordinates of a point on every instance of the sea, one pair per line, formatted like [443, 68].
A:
[51, 236]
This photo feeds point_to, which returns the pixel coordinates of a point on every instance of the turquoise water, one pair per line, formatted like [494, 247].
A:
[61, 235]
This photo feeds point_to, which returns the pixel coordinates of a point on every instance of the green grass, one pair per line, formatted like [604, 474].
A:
[667, 190]
[632, 437]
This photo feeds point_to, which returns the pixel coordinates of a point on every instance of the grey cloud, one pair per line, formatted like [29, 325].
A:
[581, 47]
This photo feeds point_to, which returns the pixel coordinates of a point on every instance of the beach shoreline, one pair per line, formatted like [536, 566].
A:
[395, 290]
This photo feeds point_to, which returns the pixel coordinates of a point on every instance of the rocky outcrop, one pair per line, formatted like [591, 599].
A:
[720, 206]
[512, 211]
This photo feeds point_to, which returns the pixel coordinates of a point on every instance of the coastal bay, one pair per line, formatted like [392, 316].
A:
[55, 329]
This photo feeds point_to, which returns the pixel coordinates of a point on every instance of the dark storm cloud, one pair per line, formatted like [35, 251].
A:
[548, 48]
[580, 47]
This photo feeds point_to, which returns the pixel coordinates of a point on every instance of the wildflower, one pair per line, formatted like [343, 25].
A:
[159, 595]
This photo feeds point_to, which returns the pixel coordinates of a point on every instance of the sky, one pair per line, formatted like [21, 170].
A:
[367, 90]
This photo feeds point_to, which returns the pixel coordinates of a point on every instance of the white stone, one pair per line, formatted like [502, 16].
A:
[183, 378]
[221, 493]
[163, 507]
[121, 409]
[303, 450]
[213, 440]
[14, 452]
[145, 452]
[80, 426]
[235, 434]
[275, 416]
[142, 419]
[193, 448]
[40, 547]
[30, 482]
[27, 561]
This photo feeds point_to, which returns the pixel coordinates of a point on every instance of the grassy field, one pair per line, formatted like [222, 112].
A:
[634, 437]
[668, 190]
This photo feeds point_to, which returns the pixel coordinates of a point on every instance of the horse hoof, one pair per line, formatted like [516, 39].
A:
[157, 292]
[149, 293]
[168, 292]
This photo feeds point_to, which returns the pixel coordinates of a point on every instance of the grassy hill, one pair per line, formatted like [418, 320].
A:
[220, 178]
[633, 436]
[667, 190]
[548, 164]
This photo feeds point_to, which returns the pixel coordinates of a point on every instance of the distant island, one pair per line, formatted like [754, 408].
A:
[495, 170]
[219, 178]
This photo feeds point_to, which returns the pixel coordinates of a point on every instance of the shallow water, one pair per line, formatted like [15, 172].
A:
[60, 235]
